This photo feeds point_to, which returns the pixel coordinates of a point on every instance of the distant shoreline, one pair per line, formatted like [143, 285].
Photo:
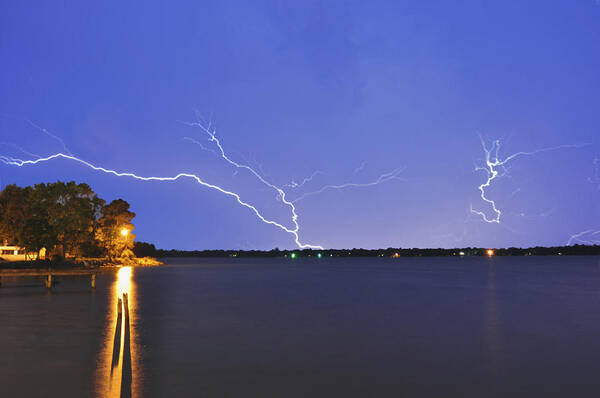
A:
[146, 249]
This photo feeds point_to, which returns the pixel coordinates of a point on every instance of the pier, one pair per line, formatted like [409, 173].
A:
[48, 275]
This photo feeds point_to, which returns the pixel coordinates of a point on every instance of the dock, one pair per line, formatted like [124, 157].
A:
[49, 274]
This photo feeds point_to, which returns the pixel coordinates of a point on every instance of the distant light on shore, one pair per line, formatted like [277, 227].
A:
[490, 252]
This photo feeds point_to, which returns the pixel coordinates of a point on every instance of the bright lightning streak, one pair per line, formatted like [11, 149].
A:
[589, 237]
[280, 192]
[492, 165]
[293, 231]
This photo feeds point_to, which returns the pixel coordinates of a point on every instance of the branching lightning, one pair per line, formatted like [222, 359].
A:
[305, 181]
[293, 231]
[209, 130]
[589, 237]
[49, 134]
[196, 142]
[382, 178]
[496, 167]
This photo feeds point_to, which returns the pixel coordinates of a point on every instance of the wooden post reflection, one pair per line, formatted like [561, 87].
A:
[117, 340]
[126, 375]
[117, 372]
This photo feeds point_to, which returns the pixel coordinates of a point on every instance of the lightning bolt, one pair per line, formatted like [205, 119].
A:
[496, 167]
[281, 195]
[218, 150]
[293, 231]
[589, 237]
[210, 131]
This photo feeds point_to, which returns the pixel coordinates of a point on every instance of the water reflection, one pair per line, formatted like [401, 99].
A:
[115, 373]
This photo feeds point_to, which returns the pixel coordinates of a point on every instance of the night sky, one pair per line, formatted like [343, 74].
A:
[353, 90]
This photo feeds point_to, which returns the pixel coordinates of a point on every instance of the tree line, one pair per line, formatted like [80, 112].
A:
[148, 249]
[65, 219]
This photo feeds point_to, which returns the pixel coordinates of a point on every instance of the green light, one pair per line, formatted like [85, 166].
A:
[319, 255]
[293, 255]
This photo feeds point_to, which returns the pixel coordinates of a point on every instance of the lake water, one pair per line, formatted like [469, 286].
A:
[414, 327]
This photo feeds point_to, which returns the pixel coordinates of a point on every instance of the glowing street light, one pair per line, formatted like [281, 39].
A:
[293, 255]
[489, 252]
[124, 232]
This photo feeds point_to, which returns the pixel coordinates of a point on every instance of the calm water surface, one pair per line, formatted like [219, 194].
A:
[519, 327]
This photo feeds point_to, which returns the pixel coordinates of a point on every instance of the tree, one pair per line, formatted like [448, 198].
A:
[65, 218]
[143, 249]
[114, 230]
[14, 211]
[71, 211]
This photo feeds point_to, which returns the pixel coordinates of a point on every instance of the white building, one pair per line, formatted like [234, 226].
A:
[15, 253]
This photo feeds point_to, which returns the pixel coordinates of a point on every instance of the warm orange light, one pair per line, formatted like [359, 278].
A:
[490, 252]
[123, 281]
[395, 255]
[124, 232]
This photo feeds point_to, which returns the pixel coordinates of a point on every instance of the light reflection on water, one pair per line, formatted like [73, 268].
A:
[116, 373]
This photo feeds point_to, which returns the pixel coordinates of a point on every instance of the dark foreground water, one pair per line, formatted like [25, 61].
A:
[419, 327]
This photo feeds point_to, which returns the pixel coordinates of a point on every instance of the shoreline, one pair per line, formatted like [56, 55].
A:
[81, 265]
[574, 250]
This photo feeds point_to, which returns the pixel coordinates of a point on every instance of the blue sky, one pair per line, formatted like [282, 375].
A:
[296, 87]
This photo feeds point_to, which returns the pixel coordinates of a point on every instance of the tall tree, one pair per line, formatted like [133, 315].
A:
[71, 211]
[114, 229]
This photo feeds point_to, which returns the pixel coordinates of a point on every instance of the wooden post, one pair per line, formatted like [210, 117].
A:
[49, 281]
[93, 281]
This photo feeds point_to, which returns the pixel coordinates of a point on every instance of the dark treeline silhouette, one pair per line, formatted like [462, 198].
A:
[148, 249]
